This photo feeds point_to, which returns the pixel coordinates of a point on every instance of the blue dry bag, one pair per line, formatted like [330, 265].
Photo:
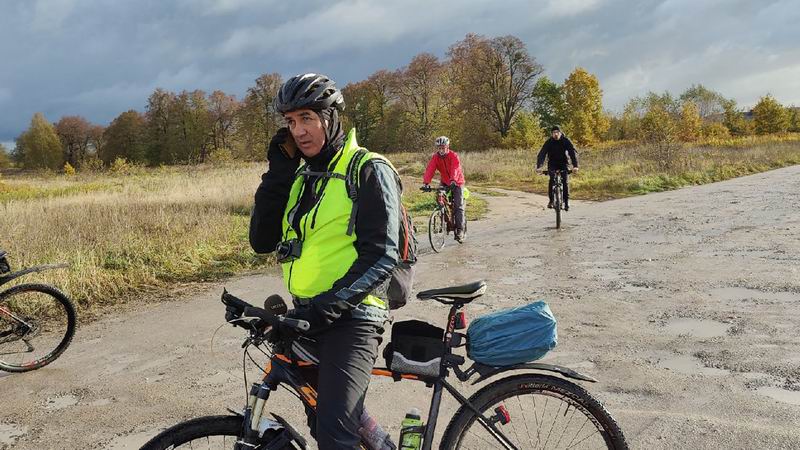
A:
[512, 336]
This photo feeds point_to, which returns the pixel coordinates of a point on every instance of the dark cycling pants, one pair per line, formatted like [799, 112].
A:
[564, 183]
[459, 205]
[347, 352]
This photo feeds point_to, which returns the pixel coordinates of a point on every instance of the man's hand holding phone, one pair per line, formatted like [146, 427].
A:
[282, 153]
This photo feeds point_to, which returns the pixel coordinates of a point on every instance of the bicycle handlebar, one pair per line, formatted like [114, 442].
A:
[248, 310]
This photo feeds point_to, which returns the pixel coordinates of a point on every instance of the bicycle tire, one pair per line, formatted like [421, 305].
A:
[571, 394]
[64, 302]
[200, 429]
[436, 230]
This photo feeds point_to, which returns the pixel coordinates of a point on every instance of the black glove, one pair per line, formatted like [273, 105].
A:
[232, 312]
[309, 315]
[278, 159]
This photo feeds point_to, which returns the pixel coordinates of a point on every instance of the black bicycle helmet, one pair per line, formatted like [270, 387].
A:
[311, 91]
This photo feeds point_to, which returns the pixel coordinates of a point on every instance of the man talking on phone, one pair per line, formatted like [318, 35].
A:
[335, 251]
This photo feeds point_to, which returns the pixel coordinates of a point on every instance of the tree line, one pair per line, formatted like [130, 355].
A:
[486, 93]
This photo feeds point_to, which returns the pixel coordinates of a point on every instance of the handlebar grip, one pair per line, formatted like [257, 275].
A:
[231, 300]
[272, 319]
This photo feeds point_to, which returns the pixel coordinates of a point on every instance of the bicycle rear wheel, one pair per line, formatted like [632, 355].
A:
[437, 230]
[210, 432]
[37, 322]
[535, 411]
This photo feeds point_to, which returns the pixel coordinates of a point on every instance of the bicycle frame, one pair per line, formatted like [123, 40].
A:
[444, 203]
[282, 369]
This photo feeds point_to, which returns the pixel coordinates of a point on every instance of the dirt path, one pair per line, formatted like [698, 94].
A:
[685, 304]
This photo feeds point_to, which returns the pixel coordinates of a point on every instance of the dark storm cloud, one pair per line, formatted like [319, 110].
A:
[97, 58]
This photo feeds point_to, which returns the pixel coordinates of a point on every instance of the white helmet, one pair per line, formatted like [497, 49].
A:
[442, 140]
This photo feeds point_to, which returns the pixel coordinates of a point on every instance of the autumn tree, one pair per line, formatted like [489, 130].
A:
[125, 138]
[690, 124]
[158, 115]
[734, 119]
[257, 119]
[770, 116]
[583, 98]
[794, 119]
[223, 110]
[495, 77]
[419, 88]
[77, 136]
[547, 102]
[710, 104]
[39, 147]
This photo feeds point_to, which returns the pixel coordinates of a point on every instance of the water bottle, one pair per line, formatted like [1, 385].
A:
[373, 434]
[411, 431]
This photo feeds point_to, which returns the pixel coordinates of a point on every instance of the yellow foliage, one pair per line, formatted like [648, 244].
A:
[69, 170]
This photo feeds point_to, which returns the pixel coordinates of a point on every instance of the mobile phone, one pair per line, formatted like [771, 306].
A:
[289, 147]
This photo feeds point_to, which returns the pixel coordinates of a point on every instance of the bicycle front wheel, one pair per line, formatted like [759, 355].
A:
[557, 207]
[535, 411]
[437, 230]
[210, 432]
[37, 322]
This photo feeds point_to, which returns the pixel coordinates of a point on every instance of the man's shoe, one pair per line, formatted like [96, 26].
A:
[550, 205]
[460, 236]
[566, 206]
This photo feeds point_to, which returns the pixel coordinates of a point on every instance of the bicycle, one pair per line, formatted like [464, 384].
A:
[536, 409]
[558, 192]
[32, 317]
[441, 221]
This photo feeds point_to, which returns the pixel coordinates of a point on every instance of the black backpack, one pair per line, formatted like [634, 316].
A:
[401, 283]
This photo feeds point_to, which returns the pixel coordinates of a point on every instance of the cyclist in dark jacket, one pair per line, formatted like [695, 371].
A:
[556, 149]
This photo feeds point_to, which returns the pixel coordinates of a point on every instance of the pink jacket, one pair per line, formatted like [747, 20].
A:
[449, 167]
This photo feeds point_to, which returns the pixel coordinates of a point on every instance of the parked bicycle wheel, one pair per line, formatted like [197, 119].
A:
[37, 323]
[535, 411]
[210, 432]
[437, 230]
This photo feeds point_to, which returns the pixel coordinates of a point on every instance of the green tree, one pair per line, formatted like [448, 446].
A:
[794, 119]
[257, 120]
[420, 90]
[5, 159]
[585, 119]
[734, 120]
[548, 102]
[125, 138]
[770, 116]
[39, 147]
[690, 122]
[526, 132]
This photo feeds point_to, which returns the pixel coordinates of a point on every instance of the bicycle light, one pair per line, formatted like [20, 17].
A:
[461, 320]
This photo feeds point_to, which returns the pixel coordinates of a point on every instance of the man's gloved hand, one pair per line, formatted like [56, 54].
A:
[232, 313]
[278, 160]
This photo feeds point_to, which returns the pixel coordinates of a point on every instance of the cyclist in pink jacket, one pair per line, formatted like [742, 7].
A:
[450, 174]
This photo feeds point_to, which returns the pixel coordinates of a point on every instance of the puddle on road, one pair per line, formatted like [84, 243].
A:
[701, 328]
[60, 402]
[781, 395]
[740, 293]
[9, 433]
[690, 365]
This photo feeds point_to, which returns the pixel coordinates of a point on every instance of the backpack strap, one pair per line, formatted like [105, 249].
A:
[351, 183]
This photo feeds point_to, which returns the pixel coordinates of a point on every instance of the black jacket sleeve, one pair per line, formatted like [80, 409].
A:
[270, 203]
[542, 154]
[573, 155]
[377, 243]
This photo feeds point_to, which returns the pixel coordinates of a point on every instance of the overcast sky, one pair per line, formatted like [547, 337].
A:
[98, 58]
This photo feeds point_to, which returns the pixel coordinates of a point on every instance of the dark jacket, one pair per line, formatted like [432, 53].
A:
[378, 201]
[556, 153]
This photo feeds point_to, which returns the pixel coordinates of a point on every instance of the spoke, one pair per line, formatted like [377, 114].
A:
[578, 434]
[587, 437]
[552, 425]
[536, 419]
[522, 412]
[563, 432]
[481, 438]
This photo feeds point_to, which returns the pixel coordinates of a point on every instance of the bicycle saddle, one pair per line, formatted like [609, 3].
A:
[466, 292]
